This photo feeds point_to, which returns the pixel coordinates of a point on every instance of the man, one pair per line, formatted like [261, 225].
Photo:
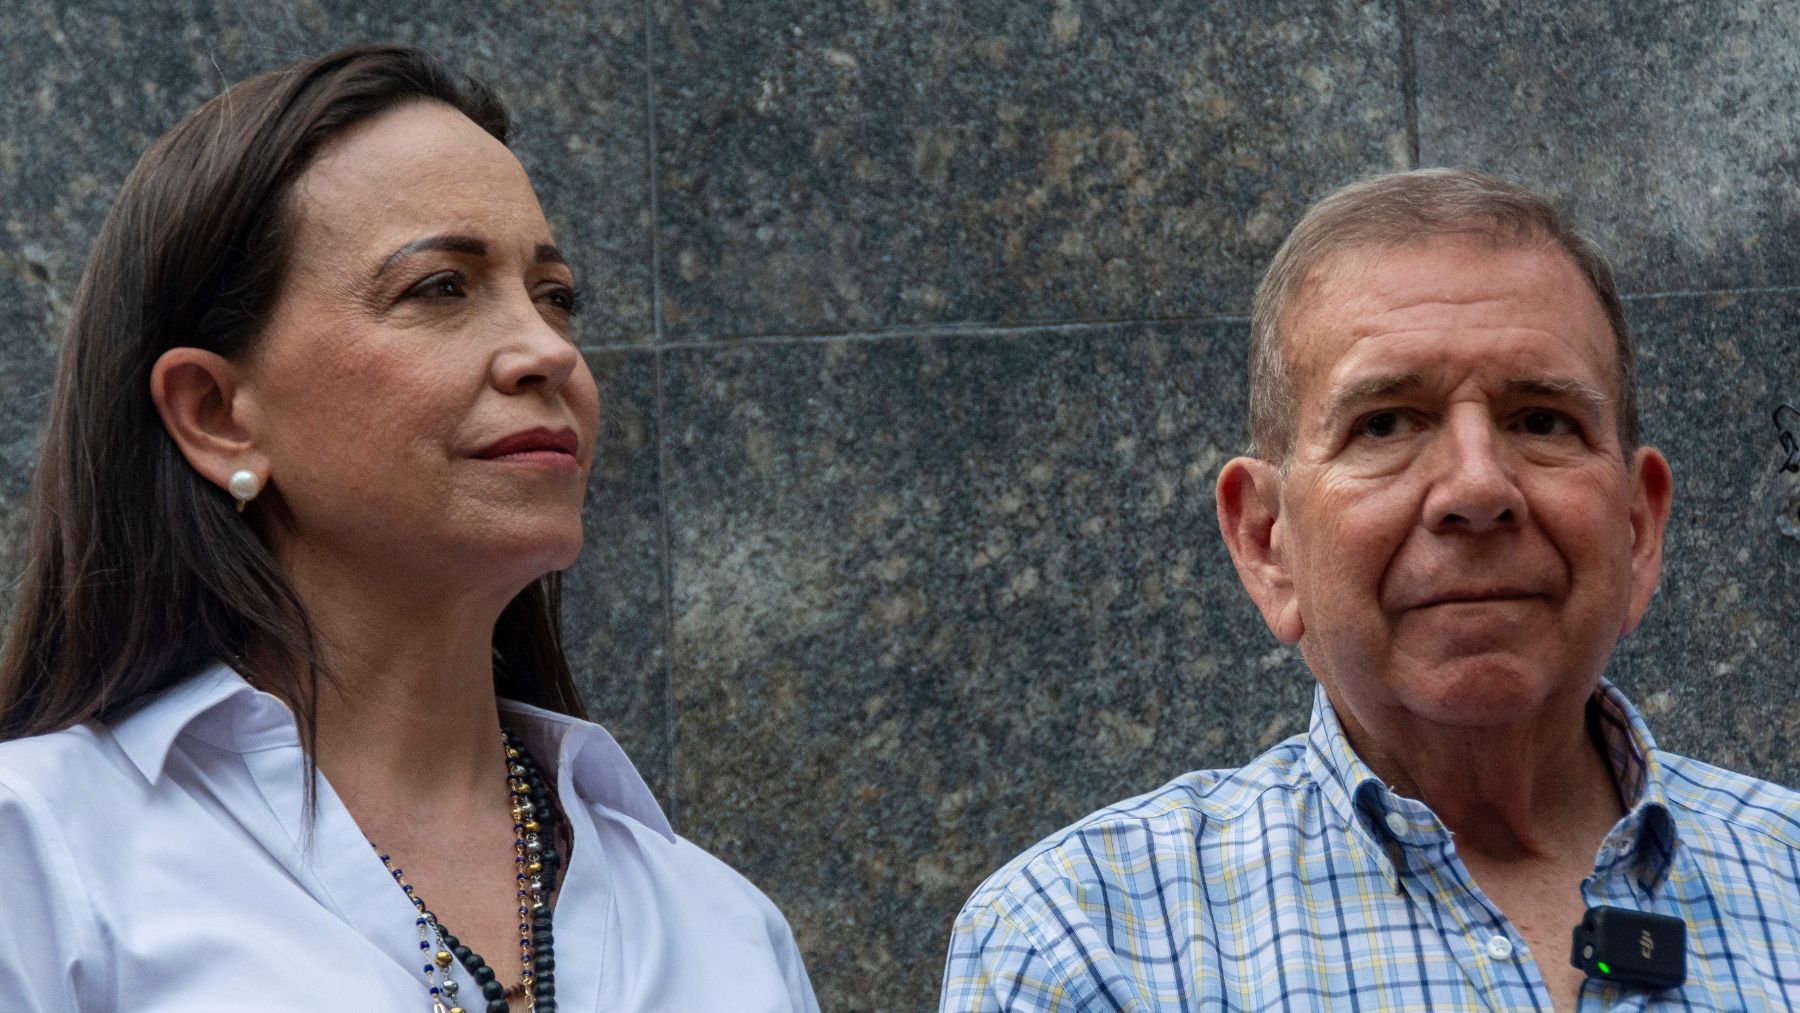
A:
[1449, 513]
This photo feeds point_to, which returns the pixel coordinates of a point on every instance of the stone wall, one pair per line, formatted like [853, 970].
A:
[922, 326]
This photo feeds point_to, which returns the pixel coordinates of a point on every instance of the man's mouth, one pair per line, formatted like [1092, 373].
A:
[1476, 597]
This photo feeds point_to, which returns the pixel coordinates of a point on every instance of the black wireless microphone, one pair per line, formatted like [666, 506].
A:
[1630, 947]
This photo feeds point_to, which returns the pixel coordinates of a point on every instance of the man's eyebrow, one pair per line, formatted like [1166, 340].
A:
[1350, 397]
[1590, 401]
[447, 243]
[547, 253]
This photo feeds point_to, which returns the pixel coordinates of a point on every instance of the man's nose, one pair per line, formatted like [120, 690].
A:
[1473, 488]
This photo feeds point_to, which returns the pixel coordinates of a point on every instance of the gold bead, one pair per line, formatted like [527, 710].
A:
[531, 826]
[534, 868]
[458, 1009]
[444, 958]
[511, 753]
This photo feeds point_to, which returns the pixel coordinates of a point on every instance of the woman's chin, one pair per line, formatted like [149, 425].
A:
[520, 555]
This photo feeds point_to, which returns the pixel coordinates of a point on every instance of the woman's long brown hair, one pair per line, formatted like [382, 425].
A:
[139, 571]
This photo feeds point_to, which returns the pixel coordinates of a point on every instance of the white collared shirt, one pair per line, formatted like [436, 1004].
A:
[158, 865]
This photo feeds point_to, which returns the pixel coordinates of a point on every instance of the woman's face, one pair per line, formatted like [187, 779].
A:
[418, 396]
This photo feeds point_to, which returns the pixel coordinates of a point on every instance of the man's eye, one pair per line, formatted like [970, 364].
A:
[443, 285]
[1546, 423]
[1382, 424]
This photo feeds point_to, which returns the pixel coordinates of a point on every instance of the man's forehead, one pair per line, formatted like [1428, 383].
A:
[1442, 284]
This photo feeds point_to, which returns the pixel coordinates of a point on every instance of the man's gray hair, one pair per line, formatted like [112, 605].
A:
[1398, 209]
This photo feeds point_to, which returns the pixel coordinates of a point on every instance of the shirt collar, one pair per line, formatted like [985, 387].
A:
[217, 705]
[593, 763]
[1645, 838]
[1346, 781]
[147, 734]
[1644, 841]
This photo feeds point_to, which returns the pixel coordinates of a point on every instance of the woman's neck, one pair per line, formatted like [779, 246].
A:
[409, 712]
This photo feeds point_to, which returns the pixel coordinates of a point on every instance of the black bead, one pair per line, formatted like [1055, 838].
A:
[483, 974]
[496, 1006]
[545, 987]
[543, 962]
[542, 918]
[493, 990]
[546, 1006]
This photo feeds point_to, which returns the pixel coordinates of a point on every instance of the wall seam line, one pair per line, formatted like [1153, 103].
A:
[658, 368]
[1409, 83]
[992, 330]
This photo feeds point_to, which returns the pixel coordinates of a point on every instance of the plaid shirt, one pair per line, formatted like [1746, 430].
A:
[1302, 882]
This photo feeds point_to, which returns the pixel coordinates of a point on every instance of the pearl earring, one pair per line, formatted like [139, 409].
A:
[244, 485]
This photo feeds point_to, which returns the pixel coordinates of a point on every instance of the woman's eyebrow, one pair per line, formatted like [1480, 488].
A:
[448, 243]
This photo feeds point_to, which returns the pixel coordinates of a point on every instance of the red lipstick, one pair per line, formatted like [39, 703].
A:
[532, 441]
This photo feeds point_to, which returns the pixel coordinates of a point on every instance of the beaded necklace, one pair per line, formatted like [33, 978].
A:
[537, 865]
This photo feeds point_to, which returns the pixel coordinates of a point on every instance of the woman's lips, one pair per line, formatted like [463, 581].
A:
[532, 444]
[549, 449]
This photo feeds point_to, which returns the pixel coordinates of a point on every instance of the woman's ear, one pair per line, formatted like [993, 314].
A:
[202, 404]
[1248, 496]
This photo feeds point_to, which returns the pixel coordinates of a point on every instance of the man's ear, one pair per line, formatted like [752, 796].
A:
[203, 407]
[1652, 490]
[1248, 495]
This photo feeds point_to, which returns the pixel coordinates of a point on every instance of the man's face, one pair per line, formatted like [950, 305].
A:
[1464, 538]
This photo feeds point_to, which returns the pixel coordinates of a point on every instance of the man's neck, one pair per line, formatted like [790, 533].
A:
[1541, 789]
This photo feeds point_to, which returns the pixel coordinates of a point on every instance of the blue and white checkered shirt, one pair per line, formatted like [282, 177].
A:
[1302, 882]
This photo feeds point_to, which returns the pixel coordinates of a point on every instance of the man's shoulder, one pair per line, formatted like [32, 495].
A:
[1138, 838]
[1712, 793]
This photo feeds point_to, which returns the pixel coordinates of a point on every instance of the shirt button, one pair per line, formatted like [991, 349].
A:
[1499, 947]
[1396, 824]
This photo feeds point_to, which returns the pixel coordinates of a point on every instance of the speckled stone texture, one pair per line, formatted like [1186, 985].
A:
[614, 630]
[1716, 664]
[975, 594]
[1672, 128]
[854, 165]
[921, 330]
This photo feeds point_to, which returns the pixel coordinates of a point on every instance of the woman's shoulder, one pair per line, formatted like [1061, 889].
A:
[77, 762]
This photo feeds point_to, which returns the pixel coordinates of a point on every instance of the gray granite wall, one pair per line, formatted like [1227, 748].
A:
[922, 325]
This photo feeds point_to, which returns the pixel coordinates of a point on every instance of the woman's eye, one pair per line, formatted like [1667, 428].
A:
[1546, 423]
[564, 298]
[443, 285]
[1382, 424]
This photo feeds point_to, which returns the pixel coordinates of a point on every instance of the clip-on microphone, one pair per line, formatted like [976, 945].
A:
[1632, 948]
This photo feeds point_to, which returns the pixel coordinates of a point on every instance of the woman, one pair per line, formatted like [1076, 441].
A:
[289, 725]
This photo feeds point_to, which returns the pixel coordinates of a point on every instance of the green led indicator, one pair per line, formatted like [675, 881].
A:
[1603, 968]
